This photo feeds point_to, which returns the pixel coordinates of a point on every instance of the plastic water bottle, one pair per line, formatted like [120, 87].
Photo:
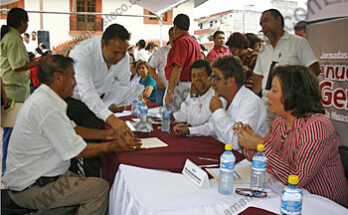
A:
[166, 113]
[143, 112]
[292, 197]
[135, 108]
[227, 163]
[258, 175]
[139, 107]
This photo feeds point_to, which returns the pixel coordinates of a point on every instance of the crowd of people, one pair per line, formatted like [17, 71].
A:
[247, 91]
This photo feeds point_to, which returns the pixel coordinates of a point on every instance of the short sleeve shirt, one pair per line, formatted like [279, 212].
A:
[13, 56]
[42, 142]
[291, 49]
[183, 53]
[149, 81]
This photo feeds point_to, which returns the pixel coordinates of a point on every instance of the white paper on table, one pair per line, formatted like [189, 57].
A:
[152, 142]
[243, 168]
[120, 95]
[150, 120]
[130, 125]
[123, 113]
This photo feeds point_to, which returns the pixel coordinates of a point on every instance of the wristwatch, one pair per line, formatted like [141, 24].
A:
[194, 95]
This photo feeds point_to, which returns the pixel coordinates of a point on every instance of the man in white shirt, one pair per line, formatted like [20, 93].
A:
[242, 105]
[142, 53]
[194, 111]
[158, 63]
[281, 48]
[42, 143]
[100, 64]
[27, 43]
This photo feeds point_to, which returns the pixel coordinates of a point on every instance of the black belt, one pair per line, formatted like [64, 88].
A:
[42, 181]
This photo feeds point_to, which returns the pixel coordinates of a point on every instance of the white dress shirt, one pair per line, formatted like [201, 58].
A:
[246, 107]
[195, 111]
[142, 55]
[290, 49]
[93, 78]
[159, 61]
[42, 142]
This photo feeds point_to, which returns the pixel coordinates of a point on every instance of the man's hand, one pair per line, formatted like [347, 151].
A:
[124, 135]
[247, 138]
[194, 88]
[169, 98]
[215, 103]
[113, 108]
[117, 147]
[181, 129]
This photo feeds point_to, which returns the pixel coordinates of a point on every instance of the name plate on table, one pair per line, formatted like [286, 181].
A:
[195, 174]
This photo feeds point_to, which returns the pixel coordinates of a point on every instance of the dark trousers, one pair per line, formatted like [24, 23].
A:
[83, 116]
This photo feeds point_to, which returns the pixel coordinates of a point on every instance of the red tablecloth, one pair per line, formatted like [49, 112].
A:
[170, 158]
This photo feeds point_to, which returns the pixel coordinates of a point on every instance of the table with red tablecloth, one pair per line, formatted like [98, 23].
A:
[170, 158]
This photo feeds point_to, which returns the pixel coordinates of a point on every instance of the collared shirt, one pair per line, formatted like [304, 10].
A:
[217, 52]
[14, 56]
[183, 53]
[42, 142]
[195, 111]
[93, 78]
[290, 49]
[159, 61]
[308, 149]
[246, 107]
[142, 55]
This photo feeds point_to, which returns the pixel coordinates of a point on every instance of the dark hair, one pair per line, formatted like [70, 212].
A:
[253, 39]
[217, 32]
[201, 64]
[31, 56]
[14, 19]
[301, 25]
[51, 64]
[275, 13]
[27, 35]
[182, 21]
[170, 30]
[33, 32]
[115, 31]
[150, 45]
[230, 66]
[141, 43]
[238, 40]
[300, 90]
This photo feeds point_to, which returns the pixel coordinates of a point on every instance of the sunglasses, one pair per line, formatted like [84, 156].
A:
[251, 193]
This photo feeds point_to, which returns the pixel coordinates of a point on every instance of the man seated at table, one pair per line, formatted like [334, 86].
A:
[243, 105]
[195, 110]
[43, 142]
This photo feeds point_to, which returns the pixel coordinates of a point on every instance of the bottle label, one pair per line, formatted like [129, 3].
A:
[166, 114]
[143, 111]
[291, 207]
[259, 164]
[227, 165]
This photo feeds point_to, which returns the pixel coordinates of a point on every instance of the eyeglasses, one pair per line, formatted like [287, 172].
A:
[251, 193]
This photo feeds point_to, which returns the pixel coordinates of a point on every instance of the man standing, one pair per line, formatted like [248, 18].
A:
[300, 29]
[183, 53]
[142, 54]
[195, 110]
[157, 65]
[43, 142]
[281, 48]
[100, 64]
[219, 49]
[242, 105]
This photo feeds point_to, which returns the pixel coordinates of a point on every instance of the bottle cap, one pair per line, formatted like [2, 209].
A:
[144, 102]
[228, 147]
[260, 147]
[293, 179]
[159, 127]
